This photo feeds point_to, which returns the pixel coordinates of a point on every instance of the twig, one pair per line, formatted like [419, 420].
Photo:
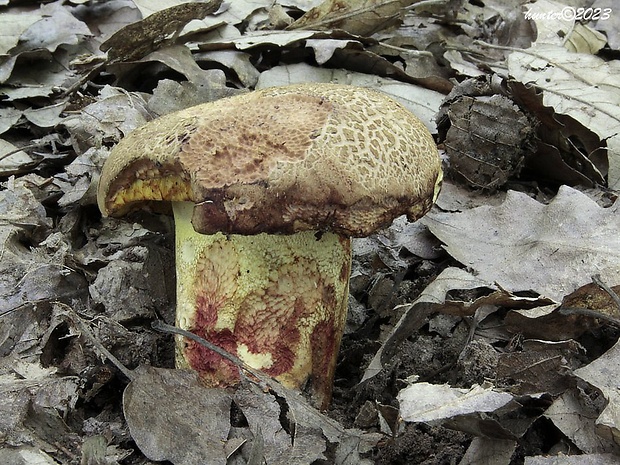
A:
[266, 381]
[596, 279]
[21, 149]
[85, 330]
[590, 313]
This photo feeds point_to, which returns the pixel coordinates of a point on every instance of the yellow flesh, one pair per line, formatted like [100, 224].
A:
[276, 301]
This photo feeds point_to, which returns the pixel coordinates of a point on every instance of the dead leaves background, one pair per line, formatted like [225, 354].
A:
[482, 318]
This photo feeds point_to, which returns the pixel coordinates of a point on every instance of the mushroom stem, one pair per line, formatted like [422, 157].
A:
[278, 302]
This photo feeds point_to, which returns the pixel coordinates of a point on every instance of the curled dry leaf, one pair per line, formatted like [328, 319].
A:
[603, 373]
[424, 402]
[574, 414]
[354, 16]
[142, 37]
[579, 85]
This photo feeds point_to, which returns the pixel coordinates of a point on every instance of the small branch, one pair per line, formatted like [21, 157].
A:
[78, 321]
[22, 149]
[590, 314]
[596, 279]
[265, 381]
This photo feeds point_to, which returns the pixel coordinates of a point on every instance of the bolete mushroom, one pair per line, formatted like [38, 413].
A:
[267, 188]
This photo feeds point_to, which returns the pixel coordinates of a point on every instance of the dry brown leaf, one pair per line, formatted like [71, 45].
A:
[574, 414]
[603, 373]
[525, 245]
[424, 402]
[359, 17]
[535, 371]
[142, 37]
[582, 86]
[171, 417]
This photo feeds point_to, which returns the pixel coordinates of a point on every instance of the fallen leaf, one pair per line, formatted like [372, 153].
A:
[424, 402]
[136, 40]
[263, 414]
[525, 245]
[484, 451]
[13, 25]
[197, 423]
[171, 417]
[579, 85]
[574, 415]
[26, 455]
[532, 371]
[416, 313]
[562, 29]
[56, 27]
[609, 24]
[561, 459]
[12, 160]
[29, 274]
[603, 373]
[354, 16]
[115, 114]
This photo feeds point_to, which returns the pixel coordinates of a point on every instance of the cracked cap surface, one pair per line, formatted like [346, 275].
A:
[280, 160]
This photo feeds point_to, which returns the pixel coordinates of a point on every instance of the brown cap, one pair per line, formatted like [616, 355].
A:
[280, 160]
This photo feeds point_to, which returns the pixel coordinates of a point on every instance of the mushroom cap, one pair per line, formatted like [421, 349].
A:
[280, 160]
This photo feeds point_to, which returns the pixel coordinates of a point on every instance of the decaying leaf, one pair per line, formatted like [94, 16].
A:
[531, 371]
[280, 447]
[13, 25]
[586, 309]
[12, 160]
[485, 451]
[525, 245]
[29, 275]
[487, 140]
[34, 401]
[138, 39]
[603, 373]
[574, 414]
[172, 416]
[424, 402]
[56, 27]
[579, 85]
[354, 16]
[416, 314]
[114, 115]
[562, 459]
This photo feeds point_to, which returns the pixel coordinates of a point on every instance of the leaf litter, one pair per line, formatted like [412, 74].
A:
[505, 293]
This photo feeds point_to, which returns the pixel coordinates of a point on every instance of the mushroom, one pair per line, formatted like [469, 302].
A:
[267, 189]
